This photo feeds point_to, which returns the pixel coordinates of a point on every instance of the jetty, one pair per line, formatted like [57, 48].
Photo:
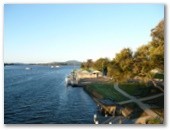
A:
[107, 106]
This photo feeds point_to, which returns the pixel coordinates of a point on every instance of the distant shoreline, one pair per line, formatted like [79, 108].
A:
[70, 62]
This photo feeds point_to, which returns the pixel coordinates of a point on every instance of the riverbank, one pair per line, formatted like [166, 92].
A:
[129, 101]
[130, 110]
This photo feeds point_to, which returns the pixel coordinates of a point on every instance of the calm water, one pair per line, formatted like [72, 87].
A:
[40, 95]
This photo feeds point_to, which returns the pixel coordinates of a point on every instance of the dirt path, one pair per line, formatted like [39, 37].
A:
[143, 106]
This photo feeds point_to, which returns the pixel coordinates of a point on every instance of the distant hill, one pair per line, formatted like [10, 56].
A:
[70, 62]
[9, 64]
[73, 62]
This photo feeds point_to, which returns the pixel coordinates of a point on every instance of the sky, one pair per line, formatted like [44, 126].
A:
[40, 33]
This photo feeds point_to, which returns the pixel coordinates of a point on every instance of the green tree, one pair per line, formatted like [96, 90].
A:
[125, 61]
[120, 68]
[151, 55]
[157, 49]
[114, 71]
[158, 34]
[101, 63]
[88, 64]
[142, 60]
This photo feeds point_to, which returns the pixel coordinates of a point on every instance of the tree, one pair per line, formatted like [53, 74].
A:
[157, 49]
[125, 61]
[82, 65]
[120, 68]
[142, 60]
[124, 58]
[151, 55]
[114, 71]
[158, 34]
[101, 63]
[88, 64]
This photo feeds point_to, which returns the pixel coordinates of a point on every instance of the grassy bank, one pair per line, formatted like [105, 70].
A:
[157, 105]
[105, 91]
[139, 89]
[142, 90]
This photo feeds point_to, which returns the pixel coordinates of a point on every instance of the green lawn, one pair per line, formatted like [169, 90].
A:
[107, 91]
[158, 76]
[136, 89]
[154, 121]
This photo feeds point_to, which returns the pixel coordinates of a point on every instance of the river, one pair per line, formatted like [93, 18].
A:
[39, 96]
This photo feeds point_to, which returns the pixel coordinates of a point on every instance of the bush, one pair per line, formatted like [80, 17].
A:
[154, 121]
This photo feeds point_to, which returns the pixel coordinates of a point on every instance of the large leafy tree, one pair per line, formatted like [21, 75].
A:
[142, 60]
[125, 59]
[88, 64]
[158, 34]
[151, 55]
[101, 63]
[115, 71]
[157, 48]
[121, 67]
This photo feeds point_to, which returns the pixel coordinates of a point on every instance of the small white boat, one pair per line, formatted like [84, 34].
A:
[27, 68]
[57, 66]
[68, 80]
[95, 119]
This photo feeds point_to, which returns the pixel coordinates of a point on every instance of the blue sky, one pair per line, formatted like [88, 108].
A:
[45, 33]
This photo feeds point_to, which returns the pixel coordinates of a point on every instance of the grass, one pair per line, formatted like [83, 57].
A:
[136, 89]
[158, 76]
[159, 101]
[107, 91]
[154, 121]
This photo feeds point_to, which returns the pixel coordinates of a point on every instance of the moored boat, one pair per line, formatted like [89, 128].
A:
[27, 68]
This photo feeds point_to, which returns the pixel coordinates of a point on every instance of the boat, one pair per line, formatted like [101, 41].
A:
[27, 68]
[57, 66]
[71, 81]
[68, 80]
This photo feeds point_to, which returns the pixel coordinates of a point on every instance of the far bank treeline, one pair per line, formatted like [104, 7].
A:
[127, 64]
